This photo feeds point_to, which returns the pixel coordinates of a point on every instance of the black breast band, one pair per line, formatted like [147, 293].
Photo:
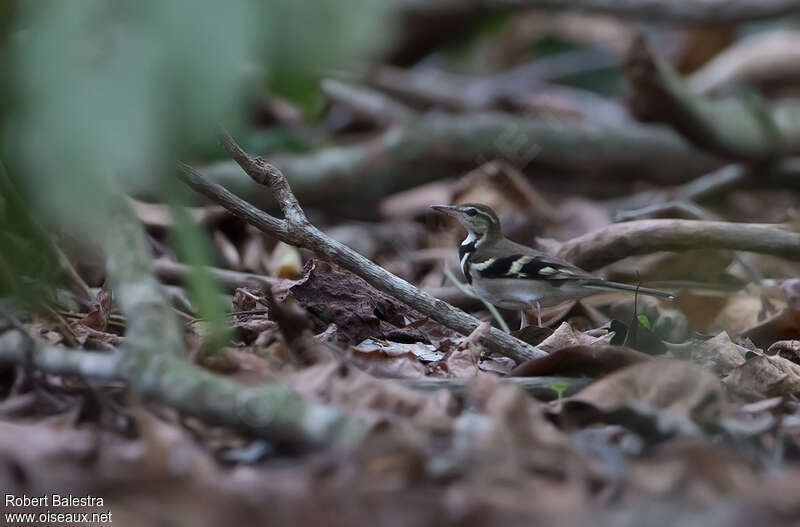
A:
[466, 249]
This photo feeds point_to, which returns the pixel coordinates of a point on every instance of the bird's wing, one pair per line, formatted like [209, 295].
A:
[529, 265]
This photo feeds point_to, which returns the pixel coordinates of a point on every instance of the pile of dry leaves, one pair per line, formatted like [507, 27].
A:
[679, 410]
[642, 411]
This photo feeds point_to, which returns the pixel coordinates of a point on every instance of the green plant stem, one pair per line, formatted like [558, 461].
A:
[493, 310]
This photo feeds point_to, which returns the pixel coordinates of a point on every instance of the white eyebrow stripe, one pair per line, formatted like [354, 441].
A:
[516, 267]
[491, 218]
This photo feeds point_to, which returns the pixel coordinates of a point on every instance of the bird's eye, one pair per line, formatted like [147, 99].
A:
[470, 212]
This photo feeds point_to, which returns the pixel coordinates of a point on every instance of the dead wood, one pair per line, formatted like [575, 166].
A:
[744, 128]
[706, 12]
[431, 146]
[615, 242]
[295, 229]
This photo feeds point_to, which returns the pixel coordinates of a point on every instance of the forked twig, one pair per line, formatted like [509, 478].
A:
[295, 229]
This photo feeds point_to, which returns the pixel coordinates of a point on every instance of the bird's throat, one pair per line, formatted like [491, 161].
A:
[465, 250]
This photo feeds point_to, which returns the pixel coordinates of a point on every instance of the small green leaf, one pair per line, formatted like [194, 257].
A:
[559, 387]
[644, 321]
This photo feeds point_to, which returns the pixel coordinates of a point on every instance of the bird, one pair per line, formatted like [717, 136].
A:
[513, 276]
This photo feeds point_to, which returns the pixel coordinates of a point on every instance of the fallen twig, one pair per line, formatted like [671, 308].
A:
[295, 229]
[620, 240]
[379, 107]
[433, 145]
[766, 57]
[543, 388]
[746, 128]
[717, 184]
[153, 359]
[461, 92]
[707, 12]
[688, 210]
[176, 273]
[271, 410]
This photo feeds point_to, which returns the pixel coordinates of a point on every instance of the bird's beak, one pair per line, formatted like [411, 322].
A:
[445, 209]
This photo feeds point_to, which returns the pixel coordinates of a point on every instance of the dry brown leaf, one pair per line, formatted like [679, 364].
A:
[679, 388]
[703, 472]
[42, 454]
[784, 325]
[359, 310]
[720, 353]
[765, 376]
[497, 364]
[168, 449]
[244, 300]
[423, 352]
[91, 329]
[97, 318]
[565, 336]
[518, 421]
[739, 314]
[591, 361]
[355, 390]
[788, 346]
[700, 309]
[464, 359]
[387, 359]
[250, 368]
[255, 327]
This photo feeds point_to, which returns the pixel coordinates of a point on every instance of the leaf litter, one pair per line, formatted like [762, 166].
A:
[691, 415]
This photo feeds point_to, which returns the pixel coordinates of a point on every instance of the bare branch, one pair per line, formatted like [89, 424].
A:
[303, 234]
[746, 128]
[271, 410]
[717, 184]
[370, 103]
[176, 273]
[524, 86]
[765, 57]
[539, 387]
[236, 206]
[620, 240]
[266, 174]
[430, 146]
[707, 12]
[154, 362]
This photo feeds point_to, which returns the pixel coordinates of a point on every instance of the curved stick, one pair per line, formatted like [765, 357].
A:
[620, 240]
[296, 230]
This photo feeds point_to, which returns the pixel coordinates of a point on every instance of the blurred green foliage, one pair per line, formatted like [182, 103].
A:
[194, 246]
[303, 40]
[102, 97]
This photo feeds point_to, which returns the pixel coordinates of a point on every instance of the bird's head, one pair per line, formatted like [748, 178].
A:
[478, 219]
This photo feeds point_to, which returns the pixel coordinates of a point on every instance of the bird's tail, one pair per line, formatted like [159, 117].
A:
[603, 285]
